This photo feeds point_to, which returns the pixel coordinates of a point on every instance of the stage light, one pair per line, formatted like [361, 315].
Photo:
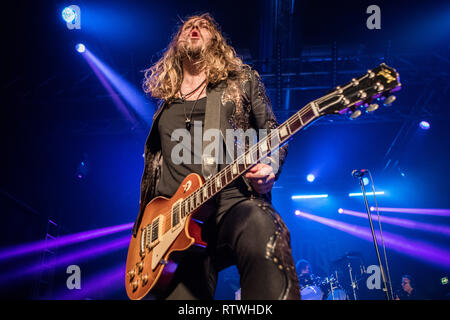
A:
[70, 258]
[62, 241]
[69, 15]
[405, 223]
[366, 181]
[82, 170]
[80, 48]
[425, 125]
[297, 212]
[415, 248]
[431, 212]
[358, 194]
[133, 96]
[310, 177]
[309, 196]
[92, 62]
[72, 16]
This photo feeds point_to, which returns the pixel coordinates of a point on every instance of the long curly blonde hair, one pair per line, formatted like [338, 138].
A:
[218, 60]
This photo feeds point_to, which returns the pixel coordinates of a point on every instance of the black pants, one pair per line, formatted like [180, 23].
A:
[252, 236]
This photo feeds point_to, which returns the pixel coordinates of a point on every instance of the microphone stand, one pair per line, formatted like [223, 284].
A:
[383, 276]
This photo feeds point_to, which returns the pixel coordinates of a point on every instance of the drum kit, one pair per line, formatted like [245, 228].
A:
[346, 282]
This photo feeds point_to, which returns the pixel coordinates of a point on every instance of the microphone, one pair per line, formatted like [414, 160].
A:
[359, 173]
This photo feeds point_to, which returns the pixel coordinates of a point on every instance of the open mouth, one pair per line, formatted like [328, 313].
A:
[195, 35]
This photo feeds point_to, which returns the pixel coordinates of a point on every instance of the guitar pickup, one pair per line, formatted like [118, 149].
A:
[153, 233]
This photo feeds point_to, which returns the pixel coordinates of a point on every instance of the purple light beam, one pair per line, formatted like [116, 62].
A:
[432, 212]
[410, 224]
[414, 248]
[62, 241]
[66, 260]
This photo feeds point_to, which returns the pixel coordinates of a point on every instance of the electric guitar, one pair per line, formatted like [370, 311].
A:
[170, 227]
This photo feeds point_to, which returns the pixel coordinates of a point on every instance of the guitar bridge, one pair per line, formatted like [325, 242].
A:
[143, 241]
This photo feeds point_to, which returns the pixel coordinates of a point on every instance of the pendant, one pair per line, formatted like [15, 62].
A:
[188, 124]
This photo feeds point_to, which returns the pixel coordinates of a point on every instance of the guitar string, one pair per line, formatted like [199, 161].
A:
[223, 173]
[228, 169]
[209, 183]
[290, 121]
[241, 159]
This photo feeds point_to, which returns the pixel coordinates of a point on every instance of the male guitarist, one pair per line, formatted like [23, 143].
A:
[243, 228]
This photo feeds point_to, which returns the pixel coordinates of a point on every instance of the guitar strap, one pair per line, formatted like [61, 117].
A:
[212, 149]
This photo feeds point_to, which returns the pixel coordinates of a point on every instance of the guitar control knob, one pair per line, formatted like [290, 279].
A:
[135, 285]
[372, 107]
[140, 266]
[144, 279]
[131, 274]
[389, 100]
[355, 114]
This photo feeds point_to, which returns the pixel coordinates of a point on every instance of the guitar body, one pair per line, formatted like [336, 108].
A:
[152, 264]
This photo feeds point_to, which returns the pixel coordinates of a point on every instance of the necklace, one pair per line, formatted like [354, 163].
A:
[187, 95]
[187, 120]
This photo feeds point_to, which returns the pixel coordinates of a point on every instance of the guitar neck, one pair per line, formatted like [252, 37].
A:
[264, 148]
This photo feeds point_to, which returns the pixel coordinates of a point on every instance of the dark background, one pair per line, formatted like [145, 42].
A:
[55, 114]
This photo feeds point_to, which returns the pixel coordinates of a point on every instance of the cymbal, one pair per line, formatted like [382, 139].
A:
[348, 256]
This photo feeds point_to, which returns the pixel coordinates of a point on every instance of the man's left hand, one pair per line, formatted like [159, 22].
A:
[261, 177]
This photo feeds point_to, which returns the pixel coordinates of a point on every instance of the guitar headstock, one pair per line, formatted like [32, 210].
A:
[357, 95]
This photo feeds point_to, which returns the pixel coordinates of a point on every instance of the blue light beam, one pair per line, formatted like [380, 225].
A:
[135, 98]
[309, 196]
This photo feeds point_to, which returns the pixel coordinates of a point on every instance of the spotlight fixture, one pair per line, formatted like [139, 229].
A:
[80, 47]
[425, 125]
[69, 14]
[72, 17]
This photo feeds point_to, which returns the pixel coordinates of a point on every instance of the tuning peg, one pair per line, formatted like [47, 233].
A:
[355, 114]
[389, 100]
[379, 87]
[372, 107]
[362, 94]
